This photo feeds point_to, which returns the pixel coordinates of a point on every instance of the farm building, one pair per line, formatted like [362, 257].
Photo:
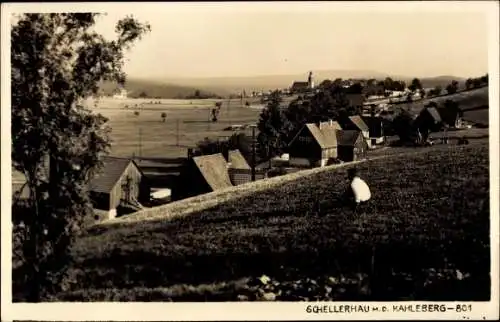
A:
[118, 188]
[356, 123]
[451, 114]
[428, 120]
[351, 145]
[313, 146]
[376, 129]
[239, 170]
[202, 174]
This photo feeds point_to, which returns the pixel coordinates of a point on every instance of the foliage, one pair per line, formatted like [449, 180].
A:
[57, 61]
[406, 245]
[164, 116]
[403, 126]
[435, 91]
[143, 94]
[273, 127]
[452, 88]
[415, 85]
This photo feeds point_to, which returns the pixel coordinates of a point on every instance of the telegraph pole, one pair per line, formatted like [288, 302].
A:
[253, 153]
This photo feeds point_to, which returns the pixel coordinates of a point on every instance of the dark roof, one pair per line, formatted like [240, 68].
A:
[111, 171]
[359, 123]
[236, 160]
[214, 170]
[347, 137]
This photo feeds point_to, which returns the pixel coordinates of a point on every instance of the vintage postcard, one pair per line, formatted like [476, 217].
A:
[250, 161]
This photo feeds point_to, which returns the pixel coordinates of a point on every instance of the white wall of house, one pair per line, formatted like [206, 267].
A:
[112, 214]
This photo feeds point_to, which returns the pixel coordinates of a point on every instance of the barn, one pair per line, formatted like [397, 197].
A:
[376, 129]
[202, 174]
[239, 170]
[351, 145]
[314, 146]
[118, 188]
[356, 123]
[428, 120]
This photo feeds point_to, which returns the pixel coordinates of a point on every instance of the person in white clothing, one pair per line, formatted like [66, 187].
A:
[358, 191]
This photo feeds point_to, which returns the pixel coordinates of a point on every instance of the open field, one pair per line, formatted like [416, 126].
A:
[424, 236]
[148, 136]
[467, 100]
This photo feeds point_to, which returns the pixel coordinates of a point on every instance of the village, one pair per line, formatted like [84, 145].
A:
[126, 185]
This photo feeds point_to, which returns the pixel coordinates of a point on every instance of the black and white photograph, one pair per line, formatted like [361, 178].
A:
[332, 160]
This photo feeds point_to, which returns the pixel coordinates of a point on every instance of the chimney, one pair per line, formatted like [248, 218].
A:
[330, 122]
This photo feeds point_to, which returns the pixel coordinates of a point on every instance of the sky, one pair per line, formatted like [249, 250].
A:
[238, 39]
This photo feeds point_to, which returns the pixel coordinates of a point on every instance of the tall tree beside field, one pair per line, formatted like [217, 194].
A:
[452, 88]
[57, 61]
[403, 126]
[415, 85]
[468, 83]
[273, 128]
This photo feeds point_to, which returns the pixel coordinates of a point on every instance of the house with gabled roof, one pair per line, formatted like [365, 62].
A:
[351, 145]
[314, 145]
[376, 129]
[428, 120]
[202, 174]
[357, 123]
[118, 188]
[239, 170]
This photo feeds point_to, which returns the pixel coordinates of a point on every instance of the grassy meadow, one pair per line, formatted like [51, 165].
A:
[187, 122]
[467, 100]
[424, 236]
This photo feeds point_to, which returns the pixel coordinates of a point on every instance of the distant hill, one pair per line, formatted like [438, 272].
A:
[443, 81]
[269, 82]
[157, 89]
[223, 86]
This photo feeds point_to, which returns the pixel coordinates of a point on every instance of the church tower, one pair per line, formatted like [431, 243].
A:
[310, 81]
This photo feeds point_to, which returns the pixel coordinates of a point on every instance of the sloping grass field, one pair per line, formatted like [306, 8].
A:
[424, 236]
[467, 100]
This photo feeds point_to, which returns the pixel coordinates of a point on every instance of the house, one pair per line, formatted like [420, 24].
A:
[314, 146]
[352, 145]
[239, 170]
[376, 129]
[356, 123]
[118, 188]
[428, 120]
[451, 115]
[202, 174]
